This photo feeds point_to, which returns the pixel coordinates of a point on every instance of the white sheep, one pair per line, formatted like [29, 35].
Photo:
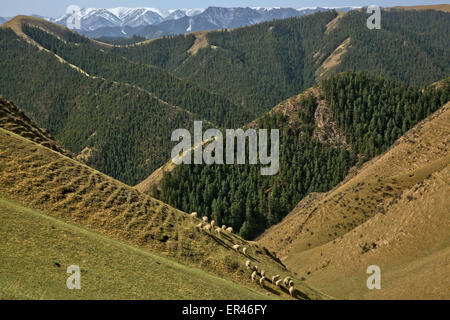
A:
[236, 247]
[213, 223]
[205, 219]
[278, 283]
[255, 268]
[224, 227]
[263, 273]
[291, 283]
[200, 225]
[230, 229]
[291, 291]
[207, 227]
[194, 214]
[247, 264]
[254, 276]
[261, 281]
[286, 280]
[275, 278]
[244, 250]
[218, 230]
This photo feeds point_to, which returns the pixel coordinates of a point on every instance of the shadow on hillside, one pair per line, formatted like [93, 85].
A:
[271, 290]
[297, 294]
[227, 246]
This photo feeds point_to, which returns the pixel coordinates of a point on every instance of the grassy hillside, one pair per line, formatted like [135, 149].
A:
[345, 121]
[261, 65]
[438, 7]
[392, 212]
[36, 250]
[73, 193]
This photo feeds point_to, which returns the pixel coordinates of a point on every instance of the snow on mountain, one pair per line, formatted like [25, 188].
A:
[181, 13]
[95, 18]
[91, 18]
[266, 8]
[178, 21]
[193, 12]
[135, 17]
[175, 14]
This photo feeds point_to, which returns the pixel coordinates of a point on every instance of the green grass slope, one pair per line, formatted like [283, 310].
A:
[36, 249]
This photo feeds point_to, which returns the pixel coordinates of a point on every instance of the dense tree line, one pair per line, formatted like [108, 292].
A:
[372, 112]
[409, 46]
[100, 62]
[167, 52]
[121, 41]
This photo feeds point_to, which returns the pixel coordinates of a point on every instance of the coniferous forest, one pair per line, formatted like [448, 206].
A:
[372, 111]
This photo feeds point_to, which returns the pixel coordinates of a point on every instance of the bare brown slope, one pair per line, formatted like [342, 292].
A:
[68, 190]
[393, 213]
[13, 119]
[333, 60]
[326, 127]
[437, 7]
[17, 22]
[57, 30]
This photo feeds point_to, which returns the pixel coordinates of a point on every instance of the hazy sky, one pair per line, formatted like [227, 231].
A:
[54, 8]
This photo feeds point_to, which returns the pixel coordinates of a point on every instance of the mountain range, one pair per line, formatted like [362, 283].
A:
[150, 23]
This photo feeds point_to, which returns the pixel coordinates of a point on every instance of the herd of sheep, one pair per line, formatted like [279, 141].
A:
[211, 227]
[288, 282]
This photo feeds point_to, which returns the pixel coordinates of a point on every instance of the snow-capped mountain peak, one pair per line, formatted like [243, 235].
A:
[114, 21]
[95, 18]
